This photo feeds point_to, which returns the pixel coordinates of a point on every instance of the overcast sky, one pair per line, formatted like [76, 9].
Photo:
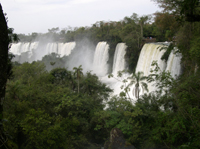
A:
[27, 16]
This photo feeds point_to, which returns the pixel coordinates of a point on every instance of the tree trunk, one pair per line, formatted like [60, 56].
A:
[78, 86]
[141, 27]
[137, 90]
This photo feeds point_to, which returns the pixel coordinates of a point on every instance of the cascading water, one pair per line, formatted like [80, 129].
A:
[37, 50]
[174, 64]
[119, 62]
[51, 48]
[101, 56]
[151, 52]
[23, 48]
[18, 48]
[64, 49]
[32, 47]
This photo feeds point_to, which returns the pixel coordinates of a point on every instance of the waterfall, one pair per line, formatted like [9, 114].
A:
[64, 49]
[119, 63]
[37, 50]
[15, 49]
[174, 64]
[101, 56]
[151, 52]
[18, 48]
[26, 48]
[51, 48]
[32, 48]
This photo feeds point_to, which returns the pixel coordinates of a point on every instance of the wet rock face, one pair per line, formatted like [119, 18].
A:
[116, 140]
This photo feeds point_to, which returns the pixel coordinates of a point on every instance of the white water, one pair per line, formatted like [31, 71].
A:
[51, 48]
[64, 49]
[151, 52]
[174, 64]
[19, 48]
[119, 62]
[32, 47]
[101, 56]
[36, 51]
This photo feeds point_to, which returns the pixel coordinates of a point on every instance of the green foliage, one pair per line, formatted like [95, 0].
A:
[166, 26]
[44, 111]
[185, 10]
[54, 61]
[194, 51]
[61, 76]
[120, 114]
[168, 49]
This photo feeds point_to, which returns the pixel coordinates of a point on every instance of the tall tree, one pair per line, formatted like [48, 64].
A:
[142, 21]
[78, 74]
[4, 43]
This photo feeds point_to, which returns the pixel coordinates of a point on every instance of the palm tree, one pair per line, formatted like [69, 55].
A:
[138, 79]
[78, 74]
[142, 21]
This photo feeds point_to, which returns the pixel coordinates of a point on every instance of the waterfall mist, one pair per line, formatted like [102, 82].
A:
[82, 55]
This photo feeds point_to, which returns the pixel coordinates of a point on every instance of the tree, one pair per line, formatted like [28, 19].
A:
[166, 26]
[183, 9]
[4, 43]
[54, 61]
[142, 21]
[137, 79]
[63, 77]
[78, 74]
[12, 36]
[54, 30]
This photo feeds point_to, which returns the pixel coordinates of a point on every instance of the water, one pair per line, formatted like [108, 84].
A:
[101, 56]
[37, 50]
[151, 52]
[64, 49]
[119, 62]
[174, 64]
